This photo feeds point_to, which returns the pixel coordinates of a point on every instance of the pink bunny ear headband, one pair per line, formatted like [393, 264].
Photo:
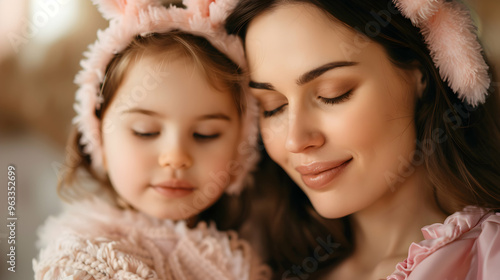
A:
[450, 36]
[129, 18]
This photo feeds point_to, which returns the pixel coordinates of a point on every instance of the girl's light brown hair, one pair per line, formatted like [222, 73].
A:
[221, 73]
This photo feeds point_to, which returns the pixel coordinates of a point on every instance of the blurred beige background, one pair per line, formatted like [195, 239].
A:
[38, 62]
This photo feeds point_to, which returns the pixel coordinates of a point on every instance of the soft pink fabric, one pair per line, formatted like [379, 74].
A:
[465, 247]
[94, 241]
[450, 35]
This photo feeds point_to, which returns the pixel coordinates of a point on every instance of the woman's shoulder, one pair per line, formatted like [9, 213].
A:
[95, 239]
[465, 246]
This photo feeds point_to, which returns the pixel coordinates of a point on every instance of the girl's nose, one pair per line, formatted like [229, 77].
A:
[176, 158]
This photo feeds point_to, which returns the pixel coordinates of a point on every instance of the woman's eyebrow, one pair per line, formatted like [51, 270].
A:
[318, 71]
[256, 85]
[308, 76]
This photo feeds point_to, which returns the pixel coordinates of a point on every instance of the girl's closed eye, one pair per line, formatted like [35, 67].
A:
[150, 134]
[205, 137]
[145, 128]
[208, 131]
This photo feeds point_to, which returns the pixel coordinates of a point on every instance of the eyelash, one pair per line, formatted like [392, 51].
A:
[146, 135]
[202, 137]
[329, 101]
[271, 113]
[336, 100]
[197, 136]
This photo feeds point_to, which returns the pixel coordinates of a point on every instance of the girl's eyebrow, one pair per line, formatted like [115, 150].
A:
[217, 116]
[142, 111]
[308, 76]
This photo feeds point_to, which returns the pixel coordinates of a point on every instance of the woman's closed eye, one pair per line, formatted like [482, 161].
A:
[336, 100]
[330, 101]
[274, 112]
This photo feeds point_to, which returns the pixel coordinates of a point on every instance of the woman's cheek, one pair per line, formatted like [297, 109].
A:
[273, 131]
[360, 129]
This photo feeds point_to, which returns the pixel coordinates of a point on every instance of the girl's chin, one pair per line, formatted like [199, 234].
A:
[169, 215]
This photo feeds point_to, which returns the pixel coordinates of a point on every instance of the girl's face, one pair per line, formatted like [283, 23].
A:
[336, 114]
[169, 139]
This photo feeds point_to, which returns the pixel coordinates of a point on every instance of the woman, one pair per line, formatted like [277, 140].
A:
[382, 114]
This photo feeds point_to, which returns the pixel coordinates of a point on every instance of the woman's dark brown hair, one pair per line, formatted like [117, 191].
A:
[463, 166]
[221, 73]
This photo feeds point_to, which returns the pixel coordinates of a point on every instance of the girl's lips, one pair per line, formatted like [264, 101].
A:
[316, 176]
[174, 188]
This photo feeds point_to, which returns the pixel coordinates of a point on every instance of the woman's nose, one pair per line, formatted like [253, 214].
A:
[175, 157]
[303, 131]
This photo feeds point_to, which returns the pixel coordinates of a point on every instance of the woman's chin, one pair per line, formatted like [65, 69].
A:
[329, 211]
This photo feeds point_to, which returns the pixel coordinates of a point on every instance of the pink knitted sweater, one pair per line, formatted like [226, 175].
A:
[93, 240]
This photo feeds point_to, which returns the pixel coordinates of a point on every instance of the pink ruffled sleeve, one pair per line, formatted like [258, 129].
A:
[465, 247]
[488, 249]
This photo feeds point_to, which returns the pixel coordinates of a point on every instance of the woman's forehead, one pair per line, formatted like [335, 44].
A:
[301, 25]
[303, 37]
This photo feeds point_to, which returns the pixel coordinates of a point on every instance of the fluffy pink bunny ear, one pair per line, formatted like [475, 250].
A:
[418, 10]
[450, 35]
[111, 9]
[116, 9]
[457, 53]
[198, 6]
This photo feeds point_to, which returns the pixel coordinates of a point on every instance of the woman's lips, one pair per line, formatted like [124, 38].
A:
[318, 175]
[174, 188]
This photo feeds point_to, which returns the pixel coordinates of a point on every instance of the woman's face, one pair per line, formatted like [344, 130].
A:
[336, 114]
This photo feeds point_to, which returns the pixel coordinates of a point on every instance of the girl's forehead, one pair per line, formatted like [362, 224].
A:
[177, 86]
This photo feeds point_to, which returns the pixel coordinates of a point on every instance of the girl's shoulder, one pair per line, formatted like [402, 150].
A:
[466, 246]
[90, 240]
[93, 239]
[95, 218]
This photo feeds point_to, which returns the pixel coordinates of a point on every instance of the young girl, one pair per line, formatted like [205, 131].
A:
[382, 113]
[165, 128]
